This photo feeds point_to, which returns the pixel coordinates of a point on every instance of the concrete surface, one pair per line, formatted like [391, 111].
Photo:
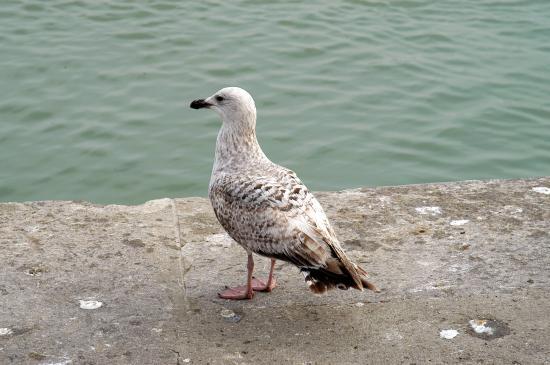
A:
[453, 256]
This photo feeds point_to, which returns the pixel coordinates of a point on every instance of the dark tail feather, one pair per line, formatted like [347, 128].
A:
[366, 284]
[334, 276]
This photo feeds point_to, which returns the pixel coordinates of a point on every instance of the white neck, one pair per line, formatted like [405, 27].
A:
[237, 144]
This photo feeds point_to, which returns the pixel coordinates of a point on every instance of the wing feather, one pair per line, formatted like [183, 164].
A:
[277, 216]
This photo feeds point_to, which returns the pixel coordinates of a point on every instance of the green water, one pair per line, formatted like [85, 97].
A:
[94, 94]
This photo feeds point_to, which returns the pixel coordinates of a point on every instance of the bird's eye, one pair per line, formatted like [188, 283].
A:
[219, 98]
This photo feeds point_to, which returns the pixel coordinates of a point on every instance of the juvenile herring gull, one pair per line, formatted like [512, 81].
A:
[267, 209]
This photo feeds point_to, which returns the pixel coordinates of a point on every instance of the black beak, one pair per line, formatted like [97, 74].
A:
[199, 103]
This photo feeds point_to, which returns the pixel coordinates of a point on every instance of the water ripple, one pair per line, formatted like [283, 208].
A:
[95, 94]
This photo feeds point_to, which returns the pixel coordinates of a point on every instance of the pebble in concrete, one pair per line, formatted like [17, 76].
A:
[480, 326]
[230, 316]
[488, 328]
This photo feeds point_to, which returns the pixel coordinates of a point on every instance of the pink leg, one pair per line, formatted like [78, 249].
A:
[259, 285]
[241, 292]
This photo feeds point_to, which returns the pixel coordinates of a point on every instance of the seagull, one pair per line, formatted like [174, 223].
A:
[267, 209]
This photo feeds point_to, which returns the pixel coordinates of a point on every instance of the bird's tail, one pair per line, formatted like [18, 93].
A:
[336, 275]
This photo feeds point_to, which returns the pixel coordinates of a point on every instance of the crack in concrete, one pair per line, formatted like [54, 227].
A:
[183, 267]
[178, 356]
[436, 276]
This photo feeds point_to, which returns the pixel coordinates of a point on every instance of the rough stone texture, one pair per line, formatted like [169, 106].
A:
[160, 304]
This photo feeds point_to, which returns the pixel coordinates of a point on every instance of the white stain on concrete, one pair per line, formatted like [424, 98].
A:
[384, 200]
[152, 206]
[393, 335]
[459, 222]
[233, 356]
[359, 304]
[458, 268]
[428, 210]
[63, 362]
[425, 263]
[480, 326]
[541, 190]
[5, 331]
[512, 209]
[90, 304]
[31, 229]
[448, 334]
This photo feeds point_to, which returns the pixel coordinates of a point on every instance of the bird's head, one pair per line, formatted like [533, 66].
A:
[235, 106]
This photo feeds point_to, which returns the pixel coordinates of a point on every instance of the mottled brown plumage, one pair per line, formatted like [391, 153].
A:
[266, 208]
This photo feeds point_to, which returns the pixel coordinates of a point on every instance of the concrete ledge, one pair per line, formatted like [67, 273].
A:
[448, 256]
